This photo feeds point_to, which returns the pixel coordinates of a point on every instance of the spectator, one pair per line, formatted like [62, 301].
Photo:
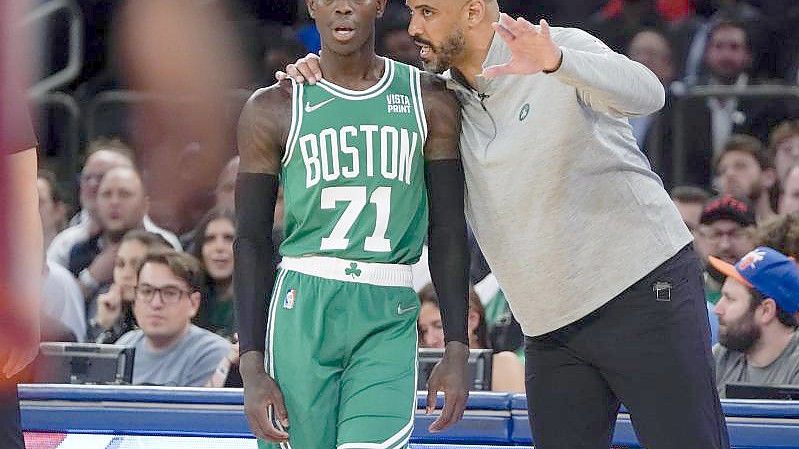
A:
[102, 156]
[789, 193]
[213, 247]
[62, 300]
[121, 206]
[507, 370]
[781, 233]
[225, 192]
[758, 342]
[393, 40]
[281, 48]
[224, 197]
[114, 307]
[171, 351]
[616, 26]
[728, 59]
[651, 48]
[691, 36]
[52, 207]
[744, 169]
[690, 201]
[727, 226]
[784, 147]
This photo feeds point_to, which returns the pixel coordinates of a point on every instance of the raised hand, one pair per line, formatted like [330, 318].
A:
[532, 49]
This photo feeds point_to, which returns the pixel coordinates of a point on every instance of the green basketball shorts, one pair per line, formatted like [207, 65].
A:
[341, 344]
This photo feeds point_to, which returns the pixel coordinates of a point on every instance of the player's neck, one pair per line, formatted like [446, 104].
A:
[356, 71]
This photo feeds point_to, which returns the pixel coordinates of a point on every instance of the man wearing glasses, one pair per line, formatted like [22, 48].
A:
[727, 225]
[169, 349]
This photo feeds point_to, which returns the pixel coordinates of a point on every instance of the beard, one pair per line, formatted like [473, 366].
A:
[444, 53]
[740, 335]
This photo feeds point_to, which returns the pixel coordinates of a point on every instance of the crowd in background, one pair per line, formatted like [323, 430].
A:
[738, 188]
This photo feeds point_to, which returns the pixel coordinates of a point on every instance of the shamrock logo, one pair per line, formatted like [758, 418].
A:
[353, 271]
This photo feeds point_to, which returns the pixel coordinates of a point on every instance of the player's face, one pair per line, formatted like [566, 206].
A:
[431, 332]
[217, 250]
[162, 320]
[436, 27]
[738, 330]
[129, 255]
[345, 26]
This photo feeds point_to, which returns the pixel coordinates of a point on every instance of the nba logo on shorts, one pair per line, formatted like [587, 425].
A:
[288, 303]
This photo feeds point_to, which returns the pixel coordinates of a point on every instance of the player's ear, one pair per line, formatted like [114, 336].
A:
[476, 11]
[311, 5]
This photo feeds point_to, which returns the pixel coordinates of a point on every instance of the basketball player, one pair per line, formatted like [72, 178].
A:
[594, 259]
[367, 158]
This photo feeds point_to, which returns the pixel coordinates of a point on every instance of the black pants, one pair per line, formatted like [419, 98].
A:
[649, 351]
[10, 428]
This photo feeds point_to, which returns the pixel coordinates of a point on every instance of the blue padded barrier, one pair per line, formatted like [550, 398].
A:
[491, 418]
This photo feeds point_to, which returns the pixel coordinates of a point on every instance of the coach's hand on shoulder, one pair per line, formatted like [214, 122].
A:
[261, 392]
[449, 376]
[305, 69]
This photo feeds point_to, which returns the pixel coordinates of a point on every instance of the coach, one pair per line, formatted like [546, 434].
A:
[595, 260]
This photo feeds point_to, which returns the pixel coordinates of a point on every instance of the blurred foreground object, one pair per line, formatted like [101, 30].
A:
[186, 55]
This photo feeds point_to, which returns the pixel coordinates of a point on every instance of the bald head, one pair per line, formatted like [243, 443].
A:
[226, 186]
[121, 201]
[97, 164]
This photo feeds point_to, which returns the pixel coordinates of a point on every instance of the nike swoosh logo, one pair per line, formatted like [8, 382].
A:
[309, 108]
[401, 311]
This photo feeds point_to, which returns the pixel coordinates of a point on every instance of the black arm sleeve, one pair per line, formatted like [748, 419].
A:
[448, 249]
[253, 277]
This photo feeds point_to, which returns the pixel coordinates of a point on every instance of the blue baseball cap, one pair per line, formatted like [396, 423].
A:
[768, 271]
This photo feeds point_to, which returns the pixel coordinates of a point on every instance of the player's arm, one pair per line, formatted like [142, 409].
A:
[262, 133]
[448, 247]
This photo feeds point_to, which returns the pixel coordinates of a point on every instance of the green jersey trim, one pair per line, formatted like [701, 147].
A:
[418, 103]
[296, 121]
[348, 94]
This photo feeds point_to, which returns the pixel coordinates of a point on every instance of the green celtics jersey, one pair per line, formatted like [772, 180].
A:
[353, 170]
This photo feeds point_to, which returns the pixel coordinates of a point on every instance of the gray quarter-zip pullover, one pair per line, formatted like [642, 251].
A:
[563, 203]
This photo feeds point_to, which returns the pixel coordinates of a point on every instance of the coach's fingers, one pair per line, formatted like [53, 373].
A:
[506, 34]
[497, 70]
[309, 68]
[281, 75]
[294, 73]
